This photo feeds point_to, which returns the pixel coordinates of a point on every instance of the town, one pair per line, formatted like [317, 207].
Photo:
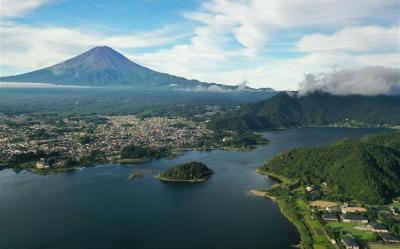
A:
[45, 141]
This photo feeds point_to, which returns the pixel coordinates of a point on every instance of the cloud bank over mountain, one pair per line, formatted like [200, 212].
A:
[367, 81]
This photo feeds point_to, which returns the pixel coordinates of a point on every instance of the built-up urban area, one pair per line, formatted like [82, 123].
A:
[45, 141]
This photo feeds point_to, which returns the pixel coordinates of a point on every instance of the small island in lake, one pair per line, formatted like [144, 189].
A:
[192, 172]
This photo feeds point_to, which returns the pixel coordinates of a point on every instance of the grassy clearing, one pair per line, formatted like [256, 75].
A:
[349, 228]
[314, 226]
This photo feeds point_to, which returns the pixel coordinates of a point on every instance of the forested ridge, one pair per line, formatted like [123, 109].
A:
[367, 169]
[286, 110]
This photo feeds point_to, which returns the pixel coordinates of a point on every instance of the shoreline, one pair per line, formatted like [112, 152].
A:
[176, 153]
[181, 181]
[396, 127]
[278, 178]
[135, 161]
[264, 193]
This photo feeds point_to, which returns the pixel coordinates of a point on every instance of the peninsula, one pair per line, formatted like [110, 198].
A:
[318, 190]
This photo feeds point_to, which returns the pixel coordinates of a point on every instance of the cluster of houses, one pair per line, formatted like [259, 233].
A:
[108, 135]
[349, 242]
[347, 214]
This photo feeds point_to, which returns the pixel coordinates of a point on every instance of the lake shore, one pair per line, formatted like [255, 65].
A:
[277, 178]
[151, 199]
[284, 209]
[182, 181]
[127, 161]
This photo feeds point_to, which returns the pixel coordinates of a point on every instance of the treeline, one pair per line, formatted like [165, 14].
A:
[246, 140]
[187, 171]
[367, 169]
[135, 152]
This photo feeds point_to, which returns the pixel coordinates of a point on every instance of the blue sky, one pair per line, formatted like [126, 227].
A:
[266, 43]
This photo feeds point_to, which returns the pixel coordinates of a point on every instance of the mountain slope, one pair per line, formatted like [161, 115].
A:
[290, 110]
[103, 66]
[366, 169]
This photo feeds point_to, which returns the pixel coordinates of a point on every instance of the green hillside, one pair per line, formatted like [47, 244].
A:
[188, 172]
[290, 110]
[367, 169]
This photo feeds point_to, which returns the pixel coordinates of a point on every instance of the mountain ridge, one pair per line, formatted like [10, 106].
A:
[366, 169]
[286, 110]
[103, 66]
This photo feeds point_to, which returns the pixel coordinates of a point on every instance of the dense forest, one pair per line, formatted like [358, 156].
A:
[138, 152]
[316, 109]
[367, 169]
[187, 172]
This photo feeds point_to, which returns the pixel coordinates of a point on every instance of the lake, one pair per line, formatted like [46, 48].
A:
[98, 207]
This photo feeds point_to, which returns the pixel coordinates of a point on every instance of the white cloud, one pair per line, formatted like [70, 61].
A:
[353, 39]
[32, 47]
[205, 53]
[256, 21]
[285, 74]
[232, 41]
[35, 85]
[361, 81]
[16, 8]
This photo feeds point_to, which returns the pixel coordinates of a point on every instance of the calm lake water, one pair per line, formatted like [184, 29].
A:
[98, 207]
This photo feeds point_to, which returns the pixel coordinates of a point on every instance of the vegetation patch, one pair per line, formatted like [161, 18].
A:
[366, 170]
[189, 172]
[351, 228]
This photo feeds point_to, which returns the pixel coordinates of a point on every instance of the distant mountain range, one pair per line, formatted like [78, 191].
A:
[286, 110]
[103, 66]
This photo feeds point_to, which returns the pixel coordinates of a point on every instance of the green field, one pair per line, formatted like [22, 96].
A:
[349, 228]
[383, 246]
[315, 227]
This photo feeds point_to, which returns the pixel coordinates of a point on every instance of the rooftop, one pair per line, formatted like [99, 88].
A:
[354, 217]
[349, 242]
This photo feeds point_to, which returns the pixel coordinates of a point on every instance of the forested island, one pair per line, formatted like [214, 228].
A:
[349, 190]
[192, 172]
